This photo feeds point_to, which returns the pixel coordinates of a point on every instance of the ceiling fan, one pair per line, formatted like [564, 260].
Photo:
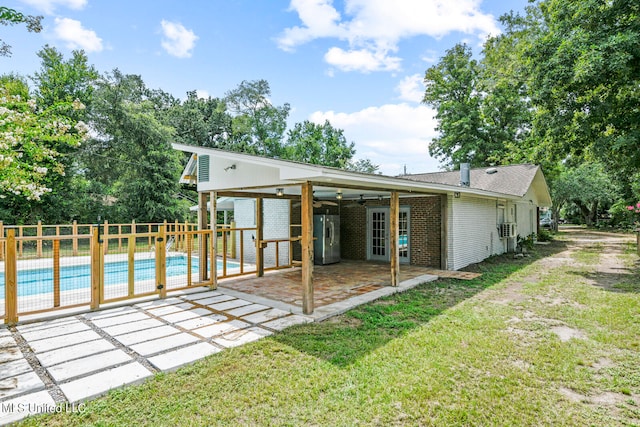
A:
[360, 202]
[317, 203]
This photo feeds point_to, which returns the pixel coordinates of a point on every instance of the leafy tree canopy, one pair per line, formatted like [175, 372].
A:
[204, 122]
[132, 153]
[318, 144]
[258, 126]
[588, 186]
[559, 87]
[13, 17]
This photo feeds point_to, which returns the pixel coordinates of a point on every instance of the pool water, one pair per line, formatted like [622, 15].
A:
[40, 281]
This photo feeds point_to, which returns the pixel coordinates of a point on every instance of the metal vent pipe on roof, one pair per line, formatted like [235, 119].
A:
[465, 175]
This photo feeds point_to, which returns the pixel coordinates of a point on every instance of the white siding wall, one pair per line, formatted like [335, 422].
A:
[473, 233]
[276, 226]
[244, 215]
[526, 218]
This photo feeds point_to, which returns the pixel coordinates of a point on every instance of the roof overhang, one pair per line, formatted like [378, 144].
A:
[541, 189]
[236, 174]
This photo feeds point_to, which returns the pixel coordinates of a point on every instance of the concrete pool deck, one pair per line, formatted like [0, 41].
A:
[48, 365]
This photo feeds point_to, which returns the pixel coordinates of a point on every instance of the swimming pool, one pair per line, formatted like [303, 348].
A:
[40, 281]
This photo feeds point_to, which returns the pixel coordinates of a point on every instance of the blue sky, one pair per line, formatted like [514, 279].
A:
[357, 63]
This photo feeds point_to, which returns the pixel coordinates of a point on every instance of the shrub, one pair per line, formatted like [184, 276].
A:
[545, 236]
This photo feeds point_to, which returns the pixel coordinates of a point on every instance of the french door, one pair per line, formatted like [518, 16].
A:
[378, 234]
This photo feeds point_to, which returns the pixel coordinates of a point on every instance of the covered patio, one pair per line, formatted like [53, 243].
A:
[361, 201]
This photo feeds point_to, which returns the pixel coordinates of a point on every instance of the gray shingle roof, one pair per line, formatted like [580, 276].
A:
[513, 180]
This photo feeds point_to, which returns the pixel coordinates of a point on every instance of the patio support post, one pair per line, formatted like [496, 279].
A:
[96, 280]
[394, 213]
[11, 280]
[259, 233]
[307, 247]
[1, 237]
[214, 240]
[202, 225]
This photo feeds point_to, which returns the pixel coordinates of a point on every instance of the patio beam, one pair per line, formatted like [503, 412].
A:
[394, 234]
[255, 195]
[259, 235]
[307, 247]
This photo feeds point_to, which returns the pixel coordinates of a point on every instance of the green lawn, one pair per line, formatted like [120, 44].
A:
[481, 352]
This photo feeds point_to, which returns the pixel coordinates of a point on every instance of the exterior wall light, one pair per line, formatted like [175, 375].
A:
[279, 192]
[339, 195]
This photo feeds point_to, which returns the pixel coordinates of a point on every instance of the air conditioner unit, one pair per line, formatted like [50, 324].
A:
[507, 229]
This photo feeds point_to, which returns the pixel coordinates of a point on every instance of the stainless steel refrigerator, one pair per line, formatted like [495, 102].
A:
[326, 246]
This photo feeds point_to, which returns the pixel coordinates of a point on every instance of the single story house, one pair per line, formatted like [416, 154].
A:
[444, 220]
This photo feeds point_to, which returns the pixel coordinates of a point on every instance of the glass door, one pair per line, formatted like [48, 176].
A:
[378, 234]
[403, 235]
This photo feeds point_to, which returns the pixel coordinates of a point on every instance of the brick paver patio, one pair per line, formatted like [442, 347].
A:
[331, 283]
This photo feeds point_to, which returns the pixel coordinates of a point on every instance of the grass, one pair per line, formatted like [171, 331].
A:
[480, 352]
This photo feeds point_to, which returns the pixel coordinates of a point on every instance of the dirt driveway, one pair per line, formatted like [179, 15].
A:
[611, 261]
[560, 295]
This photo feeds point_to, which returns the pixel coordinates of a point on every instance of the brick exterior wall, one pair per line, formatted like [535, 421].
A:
[353, 231]
[426, 223]
[425, 226]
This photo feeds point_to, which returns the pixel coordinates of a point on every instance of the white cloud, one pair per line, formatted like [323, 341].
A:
[429, 57]
[411, 88]
[76, 36]
[177, 41]
[319, 19]
[392, 135]
[202, 94]
[377, 26]
[49, 6]
[361, 60]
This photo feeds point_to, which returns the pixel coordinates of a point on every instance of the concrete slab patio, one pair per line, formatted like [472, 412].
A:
[65, 361]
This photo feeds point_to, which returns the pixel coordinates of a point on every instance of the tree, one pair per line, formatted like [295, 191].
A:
[505, 106]
[587, 186]
[132, 154]
[33, 141]
[558, 88]
[319, 145]
[12, 17]
[258, 126]
[68, 82]
[363, 165]
[203, 122]
[452, 89]
[59, 80]
[583, 61]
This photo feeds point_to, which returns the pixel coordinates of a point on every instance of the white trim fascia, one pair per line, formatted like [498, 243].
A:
[333, 177]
